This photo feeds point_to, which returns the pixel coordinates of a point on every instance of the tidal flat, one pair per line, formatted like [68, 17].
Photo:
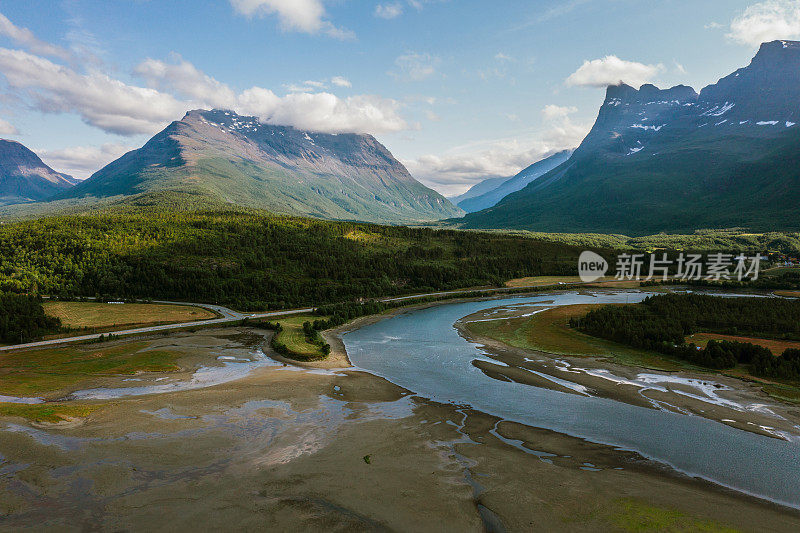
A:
[285, 447]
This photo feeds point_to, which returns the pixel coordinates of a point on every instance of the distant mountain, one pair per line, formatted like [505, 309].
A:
[674, 160]
[482, 187]
[235, 159]
[25, 178]
[514, 184]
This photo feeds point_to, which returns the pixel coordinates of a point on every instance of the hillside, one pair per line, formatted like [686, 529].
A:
[675, 160]
[237, 160]
[257, 260]
[25, 178]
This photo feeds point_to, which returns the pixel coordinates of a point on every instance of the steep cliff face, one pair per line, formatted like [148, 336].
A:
[675, 160]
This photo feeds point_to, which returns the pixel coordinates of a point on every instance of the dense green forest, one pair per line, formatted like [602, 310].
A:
[788, 280]
[22, 319]
[256, 261]
[662, 322]
[732, 240]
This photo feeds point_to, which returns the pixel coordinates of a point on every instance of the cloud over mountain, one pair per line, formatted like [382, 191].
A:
[767, 21]
[173, 87]
[612, 70]
[464, 166]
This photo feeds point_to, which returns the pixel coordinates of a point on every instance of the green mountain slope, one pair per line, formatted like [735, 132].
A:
[672, 160]
[237, 160]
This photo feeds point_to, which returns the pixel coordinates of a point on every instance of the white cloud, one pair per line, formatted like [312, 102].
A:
[460, 168]
[553, 112]
[389, 11]
[340, 81]
[304, 109]
[306, 16]
[186, 80]
[433, 117]
[767, 21]
[82, 161]
[713, 26]
[25, 38]
[414, 66]
[310, 86]
[173, 88]
[7, 128]
[323, 112]
[101, 101]
[612, 70]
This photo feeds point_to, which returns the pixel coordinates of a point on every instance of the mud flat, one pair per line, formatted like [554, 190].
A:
[283, 447]
[726, 399]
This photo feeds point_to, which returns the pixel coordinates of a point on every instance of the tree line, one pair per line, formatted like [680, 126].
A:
[661, 323]
[255, 261]
[22, 319]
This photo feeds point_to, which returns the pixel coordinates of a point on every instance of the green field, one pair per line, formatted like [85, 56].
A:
[294, 338]
[49, 412]
[637, 516]
[57, 371]
[81, 315]
[535, 281]
[549, 332]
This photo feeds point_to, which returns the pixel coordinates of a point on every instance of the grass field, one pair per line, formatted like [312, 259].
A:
[542, 280]
[48, 412]
[776, 346]
[60, 370]
[777, 271]
[634, 515]
[549, 332]
[607, 282]
[89, 315]
[294, 338]
[789, 294]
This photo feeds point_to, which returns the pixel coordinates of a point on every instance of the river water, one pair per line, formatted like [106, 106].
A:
[422, 351]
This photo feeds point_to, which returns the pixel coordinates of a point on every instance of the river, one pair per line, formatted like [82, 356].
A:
[422, 351]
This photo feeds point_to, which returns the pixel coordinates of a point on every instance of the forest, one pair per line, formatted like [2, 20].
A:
[22, 319]
[255, 261]
[662, 323]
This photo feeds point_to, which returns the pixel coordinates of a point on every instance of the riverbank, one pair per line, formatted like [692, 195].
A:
[290, 447]
[632, 378]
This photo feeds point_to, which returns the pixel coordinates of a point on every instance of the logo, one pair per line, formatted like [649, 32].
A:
[591, 267]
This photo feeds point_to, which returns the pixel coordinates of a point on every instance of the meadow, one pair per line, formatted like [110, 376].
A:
[99, 315]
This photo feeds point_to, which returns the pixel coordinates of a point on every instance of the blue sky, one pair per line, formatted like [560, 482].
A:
[459, 90]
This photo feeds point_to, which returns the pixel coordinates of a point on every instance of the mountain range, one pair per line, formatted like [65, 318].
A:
[488, 192]
[25, 178]
[675, 160]
[670, 160]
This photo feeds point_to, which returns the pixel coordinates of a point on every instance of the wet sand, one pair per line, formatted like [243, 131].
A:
[737, 403]
[290, 448]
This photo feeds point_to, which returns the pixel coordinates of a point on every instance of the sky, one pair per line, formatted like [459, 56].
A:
[458, 90]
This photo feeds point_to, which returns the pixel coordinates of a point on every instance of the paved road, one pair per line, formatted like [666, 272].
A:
[229, 315]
